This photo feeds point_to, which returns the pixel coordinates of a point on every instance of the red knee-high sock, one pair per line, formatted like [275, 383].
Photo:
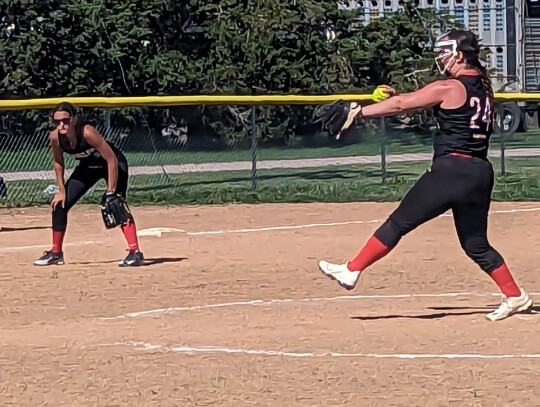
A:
[373, 250]
[130, 232]
[503, 278]
[58, 239]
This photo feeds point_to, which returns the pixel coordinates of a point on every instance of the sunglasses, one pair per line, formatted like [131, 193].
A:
[64, 121]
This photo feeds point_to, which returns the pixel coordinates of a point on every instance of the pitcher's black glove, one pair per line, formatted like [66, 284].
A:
[337, 117]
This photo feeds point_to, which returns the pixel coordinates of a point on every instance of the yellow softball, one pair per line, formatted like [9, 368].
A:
[379, 94]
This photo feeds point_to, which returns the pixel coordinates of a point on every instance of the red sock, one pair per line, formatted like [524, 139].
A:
[503, 278]
[58, 239]
[130, 232]
[373, 250]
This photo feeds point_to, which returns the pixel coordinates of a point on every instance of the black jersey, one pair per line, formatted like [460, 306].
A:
[83, 151]
[467, 129]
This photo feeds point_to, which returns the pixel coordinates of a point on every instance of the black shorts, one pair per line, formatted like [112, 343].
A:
[85, 177]
[460, 184]
[79, 183]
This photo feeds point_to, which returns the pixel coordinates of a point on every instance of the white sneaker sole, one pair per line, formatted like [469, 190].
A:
[524, 308]
[58, 263]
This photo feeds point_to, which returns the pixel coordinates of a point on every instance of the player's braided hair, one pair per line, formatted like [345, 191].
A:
[468, 44]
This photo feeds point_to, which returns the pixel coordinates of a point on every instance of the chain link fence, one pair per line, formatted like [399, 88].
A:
[174, 162]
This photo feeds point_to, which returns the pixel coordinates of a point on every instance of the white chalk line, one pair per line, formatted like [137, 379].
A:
[190, 350]
[172, 310]
[158, 231]
[46, 246]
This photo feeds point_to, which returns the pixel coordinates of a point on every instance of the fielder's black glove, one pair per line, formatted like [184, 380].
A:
[114, 210]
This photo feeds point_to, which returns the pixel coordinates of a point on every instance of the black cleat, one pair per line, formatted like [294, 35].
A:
[50, 258]
[134, 258]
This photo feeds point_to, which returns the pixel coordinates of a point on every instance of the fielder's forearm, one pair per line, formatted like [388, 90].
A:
[112, 178]
[59, 173]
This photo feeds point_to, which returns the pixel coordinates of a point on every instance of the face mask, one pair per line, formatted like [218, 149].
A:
[447, 55]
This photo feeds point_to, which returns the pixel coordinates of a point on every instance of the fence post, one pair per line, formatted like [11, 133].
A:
[503, 158]
[253, 149]
[108, 119]
[383, 148]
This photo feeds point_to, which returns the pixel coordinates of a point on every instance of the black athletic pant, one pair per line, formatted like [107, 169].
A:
[463, 184]
[81, 180]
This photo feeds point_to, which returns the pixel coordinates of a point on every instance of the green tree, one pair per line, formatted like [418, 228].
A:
[90, 47]
[148, 47]
[266, 46]
[308, 47]
[397, 50]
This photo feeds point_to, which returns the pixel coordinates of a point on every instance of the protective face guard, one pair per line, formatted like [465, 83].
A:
[448, 53]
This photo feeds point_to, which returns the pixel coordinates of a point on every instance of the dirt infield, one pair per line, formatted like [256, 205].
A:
[241, 316]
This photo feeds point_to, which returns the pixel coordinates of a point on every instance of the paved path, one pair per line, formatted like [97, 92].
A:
[268, 164]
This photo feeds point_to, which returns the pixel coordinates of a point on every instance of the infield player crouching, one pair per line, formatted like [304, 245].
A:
[98, 159]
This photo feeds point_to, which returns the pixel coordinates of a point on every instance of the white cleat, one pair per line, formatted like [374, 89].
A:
[510, 306]
[339, 272]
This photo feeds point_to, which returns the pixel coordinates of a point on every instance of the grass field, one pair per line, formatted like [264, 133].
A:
[40, 159]
[329, 184]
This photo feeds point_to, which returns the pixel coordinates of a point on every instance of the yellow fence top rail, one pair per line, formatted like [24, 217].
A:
[46, 103]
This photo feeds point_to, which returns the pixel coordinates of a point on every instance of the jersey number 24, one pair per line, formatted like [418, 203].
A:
[486, 114]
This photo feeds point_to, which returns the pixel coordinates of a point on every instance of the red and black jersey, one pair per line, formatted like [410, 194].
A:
[467, 129]
[83, 151]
